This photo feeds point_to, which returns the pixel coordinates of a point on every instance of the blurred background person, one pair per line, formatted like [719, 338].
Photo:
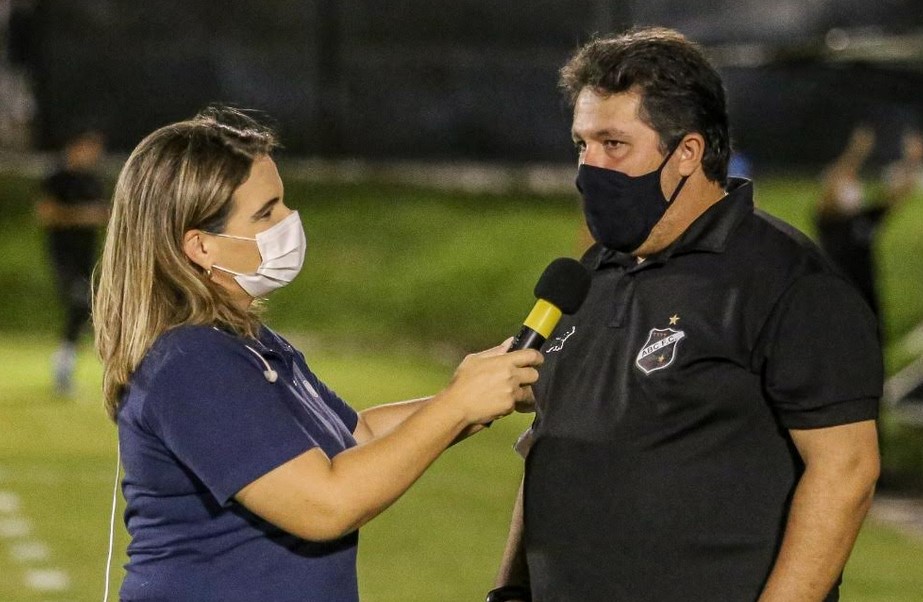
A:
[72, 209]
[846, 221]
[849, 214]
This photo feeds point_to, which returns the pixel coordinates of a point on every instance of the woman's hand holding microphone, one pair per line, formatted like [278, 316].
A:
[491, 384]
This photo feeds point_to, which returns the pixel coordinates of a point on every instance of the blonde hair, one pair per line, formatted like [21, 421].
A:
[180, 177]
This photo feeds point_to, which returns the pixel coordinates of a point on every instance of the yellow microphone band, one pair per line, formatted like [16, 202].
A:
[543, 318]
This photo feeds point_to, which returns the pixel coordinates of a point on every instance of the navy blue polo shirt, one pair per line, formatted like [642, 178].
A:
[199, 421]
[661, 467]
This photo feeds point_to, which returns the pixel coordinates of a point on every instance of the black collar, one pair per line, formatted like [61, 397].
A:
[709, 233]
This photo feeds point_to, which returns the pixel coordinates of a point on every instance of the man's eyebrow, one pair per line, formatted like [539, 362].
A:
[264, 207]
[614, 133]
[604, 133]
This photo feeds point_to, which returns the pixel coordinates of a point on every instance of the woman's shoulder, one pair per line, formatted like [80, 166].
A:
[191, 357]
[194, 336]
[182, 345]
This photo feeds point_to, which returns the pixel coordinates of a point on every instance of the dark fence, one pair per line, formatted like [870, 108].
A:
[423, 79]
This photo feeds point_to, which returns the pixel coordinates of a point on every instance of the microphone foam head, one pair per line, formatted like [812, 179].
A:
[564, 283]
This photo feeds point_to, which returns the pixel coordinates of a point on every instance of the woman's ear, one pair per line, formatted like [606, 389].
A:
[196, 249]
[691, 151]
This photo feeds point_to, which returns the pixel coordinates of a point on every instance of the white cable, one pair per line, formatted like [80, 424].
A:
[115, 493]
[270, 374]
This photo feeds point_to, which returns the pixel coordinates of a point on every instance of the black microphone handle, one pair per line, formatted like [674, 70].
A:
[527, 339]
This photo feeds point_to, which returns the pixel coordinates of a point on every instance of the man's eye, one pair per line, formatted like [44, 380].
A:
[612, 144]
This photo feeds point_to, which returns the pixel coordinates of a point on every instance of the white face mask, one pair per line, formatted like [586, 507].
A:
[282, 249]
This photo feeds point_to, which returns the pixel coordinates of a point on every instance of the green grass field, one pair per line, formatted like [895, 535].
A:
[439, 542]
[397, 284]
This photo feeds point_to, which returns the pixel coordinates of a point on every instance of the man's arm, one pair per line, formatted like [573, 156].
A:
[845, 167]
[828, 507]
[513, 567]
[52, 214]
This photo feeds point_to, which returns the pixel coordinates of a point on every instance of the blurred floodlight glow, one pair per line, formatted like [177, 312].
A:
[837, 39]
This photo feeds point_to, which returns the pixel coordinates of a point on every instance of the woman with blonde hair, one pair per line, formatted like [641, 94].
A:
[246, 478]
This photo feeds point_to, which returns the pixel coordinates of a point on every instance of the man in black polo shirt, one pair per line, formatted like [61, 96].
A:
[705, 424]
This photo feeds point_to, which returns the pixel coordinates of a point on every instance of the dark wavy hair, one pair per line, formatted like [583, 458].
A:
[680, 91]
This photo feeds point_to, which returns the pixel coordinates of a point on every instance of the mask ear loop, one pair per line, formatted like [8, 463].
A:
[682, 181]
[115, 493]
[679, 187]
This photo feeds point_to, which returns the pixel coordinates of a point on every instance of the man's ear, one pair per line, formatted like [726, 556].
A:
[691, 150]
[195, 247]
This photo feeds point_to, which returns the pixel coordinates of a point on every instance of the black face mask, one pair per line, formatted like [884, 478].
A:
[622, 210]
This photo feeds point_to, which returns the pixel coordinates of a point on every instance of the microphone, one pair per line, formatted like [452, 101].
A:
[560, 290]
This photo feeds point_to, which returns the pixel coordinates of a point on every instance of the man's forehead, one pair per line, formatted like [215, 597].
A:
[612, 114]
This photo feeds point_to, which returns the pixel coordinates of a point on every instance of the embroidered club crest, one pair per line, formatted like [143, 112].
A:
[660, 349]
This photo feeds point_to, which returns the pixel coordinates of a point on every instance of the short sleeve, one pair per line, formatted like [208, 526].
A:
[214, 411]
[823, 362]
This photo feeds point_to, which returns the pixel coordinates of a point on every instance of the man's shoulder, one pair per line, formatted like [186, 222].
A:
[766, 257]
[769, 245]
[777, 227]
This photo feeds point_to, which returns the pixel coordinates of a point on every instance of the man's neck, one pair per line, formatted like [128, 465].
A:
[696, 197]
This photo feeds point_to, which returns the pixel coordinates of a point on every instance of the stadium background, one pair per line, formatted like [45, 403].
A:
[427, 148]
[470, 79]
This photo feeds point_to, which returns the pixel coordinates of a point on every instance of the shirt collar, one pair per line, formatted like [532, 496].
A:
[709, 233]
[265, 342]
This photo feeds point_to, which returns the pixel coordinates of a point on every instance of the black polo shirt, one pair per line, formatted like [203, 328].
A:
[74, 245]
[662, 467]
